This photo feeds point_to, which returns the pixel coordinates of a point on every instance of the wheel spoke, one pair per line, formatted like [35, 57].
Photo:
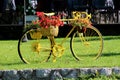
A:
[87, 45]
[35, 49]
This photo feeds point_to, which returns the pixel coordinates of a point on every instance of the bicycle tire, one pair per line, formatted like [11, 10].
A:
[86, 43]
[33, 50]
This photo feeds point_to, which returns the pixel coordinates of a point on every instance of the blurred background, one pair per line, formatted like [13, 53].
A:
[15, 14]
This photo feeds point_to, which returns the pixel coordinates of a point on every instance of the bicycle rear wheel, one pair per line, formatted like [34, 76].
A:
[35, 48]
[86, 43]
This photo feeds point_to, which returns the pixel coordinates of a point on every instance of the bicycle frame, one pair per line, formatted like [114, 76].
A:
[81, 36]
[53, 43]
[76, 15]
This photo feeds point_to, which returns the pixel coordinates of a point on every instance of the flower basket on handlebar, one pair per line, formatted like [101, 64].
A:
[81, 19]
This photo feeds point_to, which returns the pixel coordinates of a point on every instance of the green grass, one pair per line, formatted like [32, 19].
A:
[9, 58]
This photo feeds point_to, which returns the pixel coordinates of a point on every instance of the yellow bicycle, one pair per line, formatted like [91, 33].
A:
[85, 42]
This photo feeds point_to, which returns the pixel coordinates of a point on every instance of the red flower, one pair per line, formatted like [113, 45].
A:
[47, 21]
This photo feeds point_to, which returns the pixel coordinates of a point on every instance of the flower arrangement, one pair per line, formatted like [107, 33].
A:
[81, 22]
[47, 21]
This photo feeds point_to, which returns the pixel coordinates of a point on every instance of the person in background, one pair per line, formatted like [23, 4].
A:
[7, 11]
[117, 9]
[13, 5]
[20, 11]
[109, 3]
[8, 5]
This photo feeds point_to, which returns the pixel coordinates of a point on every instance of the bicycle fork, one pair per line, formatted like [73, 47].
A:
[80, 32]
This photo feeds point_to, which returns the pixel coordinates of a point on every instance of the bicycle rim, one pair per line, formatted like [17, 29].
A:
[86, 43]
[32, 50]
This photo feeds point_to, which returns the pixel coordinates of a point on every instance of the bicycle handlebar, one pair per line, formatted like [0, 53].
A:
[75, 15]
[81, 15]
[78, 15]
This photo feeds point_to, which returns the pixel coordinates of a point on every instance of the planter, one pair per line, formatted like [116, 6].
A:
[50, 31]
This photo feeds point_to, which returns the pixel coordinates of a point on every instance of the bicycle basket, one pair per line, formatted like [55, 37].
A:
[50, 31]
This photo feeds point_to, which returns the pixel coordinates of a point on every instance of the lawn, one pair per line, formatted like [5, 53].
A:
[9, 58]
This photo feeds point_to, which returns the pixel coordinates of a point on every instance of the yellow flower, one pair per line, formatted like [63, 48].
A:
[58, 51]
[36, 47]
[81, 22]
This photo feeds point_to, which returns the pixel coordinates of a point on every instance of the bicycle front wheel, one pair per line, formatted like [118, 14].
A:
[86, 43]
[32, 47]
